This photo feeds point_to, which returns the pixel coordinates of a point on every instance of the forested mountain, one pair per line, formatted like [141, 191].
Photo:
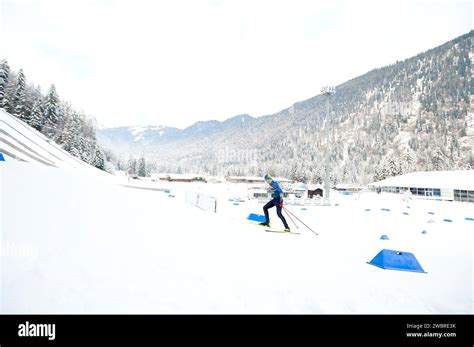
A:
[413, 115]
[135, 138]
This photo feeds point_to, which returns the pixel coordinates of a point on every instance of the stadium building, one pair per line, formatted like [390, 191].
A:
[436, 185]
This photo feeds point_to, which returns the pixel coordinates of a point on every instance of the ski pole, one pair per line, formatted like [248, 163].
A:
[296, 225]
[300, 221]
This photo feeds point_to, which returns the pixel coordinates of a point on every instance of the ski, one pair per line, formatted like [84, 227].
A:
[268, 228]
[281, 231]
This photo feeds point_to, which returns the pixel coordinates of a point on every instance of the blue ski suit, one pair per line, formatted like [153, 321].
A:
[277, 201]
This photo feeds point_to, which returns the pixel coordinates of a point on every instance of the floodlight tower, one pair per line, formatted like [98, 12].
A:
[327, 91]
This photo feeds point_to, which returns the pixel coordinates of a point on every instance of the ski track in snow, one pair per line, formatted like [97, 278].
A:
[92, 246]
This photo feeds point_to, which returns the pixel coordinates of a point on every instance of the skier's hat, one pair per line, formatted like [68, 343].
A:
[268, 177]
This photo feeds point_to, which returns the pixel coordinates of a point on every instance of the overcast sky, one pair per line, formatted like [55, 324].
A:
[175, 62]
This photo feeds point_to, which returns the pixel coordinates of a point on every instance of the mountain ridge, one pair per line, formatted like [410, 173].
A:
[419, 107]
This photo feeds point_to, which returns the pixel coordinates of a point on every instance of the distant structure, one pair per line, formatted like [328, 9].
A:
[436, 185]
[258, 193]
[246, 179]
[353, 188]
[315, 192]
[182, 178]
[294, 194]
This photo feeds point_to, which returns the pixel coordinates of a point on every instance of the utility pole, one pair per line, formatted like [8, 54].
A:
[327, 92]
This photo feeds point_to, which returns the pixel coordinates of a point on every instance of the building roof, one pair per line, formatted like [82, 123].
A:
[244, 178]
[178, 176]
[462, 180]
[255, 179]
[348, 186]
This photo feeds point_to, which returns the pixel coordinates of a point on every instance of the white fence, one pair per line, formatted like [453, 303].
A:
[202, 201]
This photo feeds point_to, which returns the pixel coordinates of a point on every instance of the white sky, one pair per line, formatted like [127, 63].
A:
[175, 62]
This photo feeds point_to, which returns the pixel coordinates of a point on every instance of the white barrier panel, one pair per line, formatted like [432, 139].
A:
[202, 201]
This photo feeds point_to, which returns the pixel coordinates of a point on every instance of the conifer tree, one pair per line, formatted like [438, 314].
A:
[141, 167]
[37, 113]
[4, 76]
[19, 98]
[132, 166]
[98, 160]
[438, 160]
[70, 135]
[393, 167]
[8, 93]
[408, 162]
[51, 117]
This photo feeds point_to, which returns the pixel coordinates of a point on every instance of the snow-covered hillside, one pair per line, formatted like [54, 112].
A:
[75, 243]
[21, 142]
[414, 115]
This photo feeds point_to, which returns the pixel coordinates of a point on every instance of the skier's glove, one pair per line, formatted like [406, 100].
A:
[281, 202]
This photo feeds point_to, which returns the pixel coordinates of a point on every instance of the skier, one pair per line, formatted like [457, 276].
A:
[277, 201]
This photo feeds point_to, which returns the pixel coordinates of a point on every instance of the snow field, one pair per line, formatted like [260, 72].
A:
[99, 247]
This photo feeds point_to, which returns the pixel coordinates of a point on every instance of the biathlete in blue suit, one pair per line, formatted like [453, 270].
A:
[277, 201]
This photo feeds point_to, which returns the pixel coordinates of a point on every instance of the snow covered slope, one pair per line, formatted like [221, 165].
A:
[21, 142]
[72, 243]
[401, 113]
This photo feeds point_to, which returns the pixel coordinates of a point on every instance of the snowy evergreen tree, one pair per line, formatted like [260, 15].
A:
[64, 132]
[393, 167]
[88, 140]
[317, 176]
[132, 166]
[408, 162]
[98, 160]
[438, 160]
[9, 92]
[19, 98]
[51, 110]
[87, 149]
[141, 167]
[76, 137]
[63, 112]
[299, 173]
[37, 113]
[31, 94]
[454, 147]
[4, 76]
[71, 135]
[293, 174]
[380, 172]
